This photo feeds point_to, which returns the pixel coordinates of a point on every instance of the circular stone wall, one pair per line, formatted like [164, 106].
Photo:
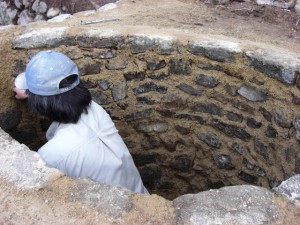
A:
[196, 113]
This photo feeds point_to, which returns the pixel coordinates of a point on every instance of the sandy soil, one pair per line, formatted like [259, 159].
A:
[243, 20]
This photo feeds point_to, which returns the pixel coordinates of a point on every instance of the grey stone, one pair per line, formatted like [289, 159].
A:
[129, 76]
[297, 7]
[183, 128]
[260, 171]
[231, 130]
[116, 65]
[189, 89]
[159, 76]
[18, 4]
[39, 17]
[207, 81]
[278, 65]
[59, 18]
[234, 117]
[43, 38]
[252, 94]
[119, 91]
[53, 12]
[25, 17]
[229, 205]
[173, 101]
[261, 149]
[139, 44]
[271, 132]
[206, 66]
[251, 122]
[166, 112]
[180, 67]
[231, 90]
[26, 3]
[273, 182]
[209, 108]
[100, 38]
[210, 139]
[39, 7]
[282, 118]
[145, 100]
[290, 154]
[197, 118]
[156, 64]
[248, 164]
[88, 66]
[222, 51]
[22, 167]
[155, 126]
[105, 84]
[150, 142]
[290, 189]
[100, 98]
[297, 126]
[239, 148]
[242, 106]
[88, 84]
[7, 14]
[146, 113]
[109, 54]
[110, 200]
[247, 177]
[147, 87]
[166, 47]
[266, 114]
[169, 141]
[223, 161]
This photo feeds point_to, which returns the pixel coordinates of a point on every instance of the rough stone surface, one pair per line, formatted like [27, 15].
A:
[297, 126]
[252, 94]
[275, 64]
[44, 37]
[228, 205]
[222, 51]
[290, 188]
[23, 168]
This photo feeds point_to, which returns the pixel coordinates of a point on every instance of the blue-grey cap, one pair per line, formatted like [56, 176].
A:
[45, 71]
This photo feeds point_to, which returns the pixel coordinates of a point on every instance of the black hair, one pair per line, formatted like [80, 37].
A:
[64, 108]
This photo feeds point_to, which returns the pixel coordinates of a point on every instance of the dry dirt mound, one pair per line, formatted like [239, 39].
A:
[243, 20]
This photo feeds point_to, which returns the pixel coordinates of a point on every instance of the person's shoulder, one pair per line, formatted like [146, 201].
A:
[95, 107]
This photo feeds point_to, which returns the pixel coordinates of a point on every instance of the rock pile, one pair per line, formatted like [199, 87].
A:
[21, 12]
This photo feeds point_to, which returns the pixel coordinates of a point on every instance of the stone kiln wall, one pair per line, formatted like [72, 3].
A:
[195, 113]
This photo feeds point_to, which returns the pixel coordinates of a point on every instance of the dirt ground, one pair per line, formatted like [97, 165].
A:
[243, 20]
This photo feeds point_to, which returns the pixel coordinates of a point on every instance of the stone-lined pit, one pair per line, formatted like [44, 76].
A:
[197, 113]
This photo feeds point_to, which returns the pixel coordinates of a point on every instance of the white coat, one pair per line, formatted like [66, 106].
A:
[91, 148]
